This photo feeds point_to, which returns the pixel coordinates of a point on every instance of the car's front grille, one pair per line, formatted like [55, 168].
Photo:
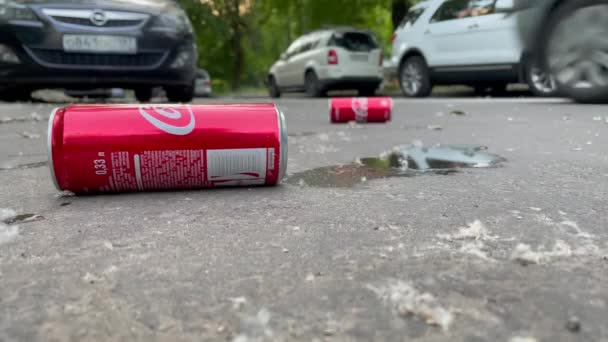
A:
[88, 22]
[61, 58]
[96, 18]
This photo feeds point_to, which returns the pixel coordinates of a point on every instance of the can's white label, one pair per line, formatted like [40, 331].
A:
[157, 115]
[359, 105]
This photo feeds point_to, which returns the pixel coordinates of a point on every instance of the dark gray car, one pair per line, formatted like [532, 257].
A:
[137, 44]
[570, 38]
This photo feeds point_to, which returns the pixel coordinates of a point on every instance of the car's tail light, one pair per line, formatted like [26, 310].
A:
[332, 57]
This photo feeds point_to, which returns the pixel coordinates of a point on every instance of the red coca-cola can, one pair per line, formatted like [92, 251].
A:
[361, 109]
[102, 149]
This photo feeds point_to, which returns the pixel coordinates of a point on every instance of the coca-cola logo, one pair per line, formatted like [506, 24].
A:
[170, 119]
[359, 105]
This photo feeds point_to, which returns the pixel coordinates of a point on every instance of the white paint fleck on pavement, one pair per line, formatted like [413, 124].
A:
[8, 233]
[474, 231]
[525, 255]
[407, 301]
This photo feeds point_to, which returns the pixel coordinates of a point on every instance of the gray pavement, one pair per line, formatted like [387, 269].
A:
[519, 251]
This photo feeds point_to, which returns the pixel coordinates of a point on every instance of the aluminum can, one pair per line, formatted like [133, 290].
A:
[361, 109]
[125, 148]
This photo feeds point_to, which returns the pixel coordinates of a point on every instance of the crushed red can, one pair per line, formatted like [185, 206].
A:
[124, 148]
[361, 109]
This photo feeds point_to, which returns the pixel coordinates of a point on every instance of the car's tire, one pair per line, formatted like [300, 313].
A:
[273, 88]
[368, 91]
[15, 94]
[415, 78]
[540, 82]
[575, 56]
[143, 95]
[312, 85]
[180, 94]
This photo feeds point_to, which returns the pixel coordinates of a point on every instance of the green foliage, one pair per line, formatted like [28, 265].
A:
[264, 28]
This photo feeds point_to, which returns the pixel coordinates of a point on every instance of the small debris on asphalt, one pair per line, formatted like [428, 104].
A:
[577, 148]
[474, 231]
[8, 232]
[23, 218]
[36, 117]
[65, 204]
[434, 127]
[439, 114]
[524, 255]
[535, 209]
[510, 119]
[566, 118]
[573, 325]
[27, 135]
[407, 301]
[523, 339]
[458, 112]
[238, 303]
[597, 118]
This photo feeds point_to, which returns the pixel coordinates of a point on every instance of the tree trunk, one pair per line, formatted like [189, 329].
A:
[399, 10]
[237, 45]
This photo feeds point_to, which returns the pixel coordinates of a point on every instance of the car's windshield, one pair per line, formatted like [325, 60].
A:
[411, 17]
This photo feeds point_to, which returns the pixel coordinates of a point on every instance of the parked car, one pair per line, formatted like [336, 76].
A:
[202, 84]
[329, 59]
[471, 42]
[569, 38]
[136, 44]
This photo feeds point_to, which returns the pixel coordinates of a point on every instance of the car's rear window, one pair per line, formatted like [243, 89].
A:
[354, 41]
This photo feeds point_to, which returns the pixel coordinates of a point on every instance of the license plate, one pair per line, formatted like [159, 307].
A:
[359, 57]
[99, 44]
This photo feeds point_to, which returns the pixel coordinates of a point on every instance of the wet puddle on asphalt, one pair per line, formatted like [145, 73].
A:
[23, 218]
[404, 161]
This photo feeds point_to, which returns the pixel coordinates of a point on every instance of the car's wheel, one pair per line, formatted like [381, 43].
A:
[540, 82]
[414, 77]
[368, 91]
[13, 94]
[143, 94]
[576, 50]
[181, 94]
[311, 83]
[273, 88]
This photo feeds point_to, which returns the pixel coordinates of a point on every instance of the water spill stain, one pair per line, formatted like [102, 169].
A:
[24, 166]
[408, 161]
[24, 218]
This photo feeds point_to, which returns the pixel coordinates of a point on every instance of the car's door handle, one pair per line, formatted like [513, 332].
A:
[473, 26]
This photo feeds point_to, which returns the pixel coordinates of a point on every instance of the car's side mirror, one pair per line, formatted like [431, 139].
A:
[505, 6]
[283, 56]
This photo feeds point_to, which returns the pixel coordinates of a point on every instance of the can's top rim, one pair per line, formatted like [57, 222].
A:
[50, 148]
[284, 140]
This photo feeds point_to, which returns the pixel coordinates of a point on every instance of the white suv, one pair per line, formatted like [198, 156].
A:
[471, 42]
[326, 60]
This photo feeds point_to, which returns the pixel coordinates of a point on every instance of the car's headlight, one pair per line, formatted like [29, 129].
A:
[175, 19]
[14, 10]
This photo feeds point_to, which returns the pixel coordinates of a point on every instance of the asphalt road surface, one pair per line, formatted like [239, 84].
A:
[512, 253]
